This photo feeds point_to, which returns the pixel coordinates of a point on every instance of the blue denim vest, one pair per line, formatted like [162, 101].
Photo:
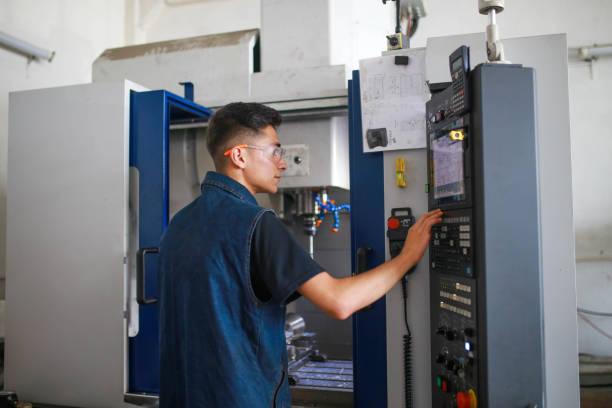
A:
[220, 346]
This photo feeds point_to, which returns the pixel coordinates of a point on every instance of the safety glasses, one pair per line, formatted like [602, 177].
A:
[276, 153]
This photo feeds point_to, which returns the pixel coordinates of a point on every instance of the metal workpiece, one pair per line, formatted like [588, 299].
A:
[313, 378]
[294, 324]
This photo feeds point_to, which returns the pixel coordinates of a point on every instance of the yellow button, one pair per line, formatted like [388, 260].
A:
[473, 399]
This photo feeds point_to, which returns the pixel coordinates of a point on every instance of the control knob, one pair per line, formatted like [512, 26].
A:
[451, 335]
[451, 365]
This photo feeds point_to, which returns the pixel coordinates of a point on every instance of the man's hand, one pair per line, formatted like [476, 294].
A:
[340, 298]
[419, 235]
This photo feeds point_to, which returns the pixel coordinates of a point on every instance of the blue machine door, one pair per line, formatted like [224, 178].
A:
[151, 114]
[368, 251]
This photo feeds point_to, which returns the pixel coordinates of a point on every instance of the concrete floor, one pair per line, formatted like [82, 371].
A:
[596, 397]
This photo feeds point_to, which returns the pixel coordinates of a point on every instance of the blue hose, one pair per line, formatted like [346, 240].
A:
[335, 210]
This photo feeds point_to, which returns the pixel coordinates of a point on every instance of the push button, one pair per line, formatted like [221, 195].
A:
[467, 399]
[393, 223]
[463, 400]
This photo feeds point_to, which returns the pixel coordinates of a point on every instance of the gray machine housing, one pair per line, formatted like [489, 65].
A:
[504, 365]
[508, 234]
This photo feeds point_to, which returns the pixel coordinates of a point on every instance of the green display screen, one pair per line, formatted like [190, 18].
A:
[457, 64]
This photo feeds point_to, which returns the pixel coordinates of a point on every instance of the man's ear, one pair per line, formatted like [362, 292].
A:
[238, 158]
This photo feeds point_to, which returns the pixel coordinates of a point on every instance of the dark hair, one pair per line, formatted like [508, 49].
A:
[236, 121]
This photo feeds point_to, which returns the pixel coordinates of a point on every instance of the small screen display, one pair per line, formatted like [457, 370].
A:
[457, 64]
[448, 167]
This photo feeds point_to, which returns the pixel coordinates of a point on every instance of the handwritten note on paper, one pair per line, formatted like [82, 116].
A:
[393, 101]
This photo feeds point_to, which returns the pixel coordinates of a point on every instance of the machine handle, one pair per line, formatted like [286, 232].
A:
[362, 259]
[140, 276]
[362, 264]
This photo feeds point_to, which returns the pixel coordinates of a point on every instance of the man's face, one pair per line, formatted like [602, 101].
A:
[263, 170]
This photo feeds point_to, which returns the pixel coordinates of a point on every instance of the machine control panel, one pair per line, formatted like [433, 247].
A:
[477, 283]
[453, 289]
[454, 340]
[452, 244]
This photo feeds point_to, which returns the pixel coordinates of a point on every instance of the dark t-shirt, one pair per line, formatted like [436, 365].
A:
[279, 265]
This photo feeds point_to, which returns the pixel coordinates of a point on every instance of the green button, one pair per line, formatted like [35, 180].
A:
[439, 382]
[468, 270]
[427, 188]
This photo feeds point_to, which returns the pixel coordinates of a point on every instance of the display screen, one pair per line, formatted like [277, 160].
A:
[456, 64]
[448, 167]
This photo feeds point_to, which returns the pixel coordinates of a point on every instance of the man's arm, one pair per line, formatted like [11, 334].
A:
[340, 298]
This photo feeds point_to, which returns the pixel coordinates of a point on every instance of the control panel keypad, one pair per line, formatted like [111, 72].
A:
[452, 244]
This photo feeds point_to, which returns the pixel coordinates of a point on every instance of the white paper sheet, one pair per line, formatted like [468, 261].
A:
[393, 101]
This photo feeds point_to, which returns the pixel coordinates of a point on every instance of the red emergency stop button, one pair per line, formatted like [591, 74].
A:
[393, 223]
[463, 400]
[467, 399]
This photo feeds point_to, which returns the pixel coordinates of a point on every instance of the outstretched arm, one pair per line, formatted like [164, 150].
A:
[340, 298]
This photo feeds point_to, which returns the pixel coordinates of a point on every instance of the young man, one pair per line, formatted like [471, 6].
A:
[229, 267]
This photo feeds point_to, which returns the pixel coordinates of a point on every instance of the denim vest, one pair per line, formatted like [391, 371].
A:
[220, 346]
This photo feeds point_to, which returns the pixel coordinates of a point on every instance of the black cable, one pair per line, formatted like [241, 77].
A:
[413, 27]
[594, 313]
[398, 25]
[407, 351]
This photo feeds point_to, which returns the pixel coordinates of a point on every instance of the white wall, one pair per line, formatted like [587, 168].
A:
[78, 31]
[358, 30]
[159, 20]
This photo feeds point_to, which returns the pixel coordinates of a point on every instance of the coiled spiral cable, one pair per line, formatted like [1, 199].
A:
[408, 393]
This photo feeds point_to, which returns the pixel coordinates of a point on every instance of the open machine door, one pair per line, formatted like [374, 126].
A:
[368, 250]
[151, 113]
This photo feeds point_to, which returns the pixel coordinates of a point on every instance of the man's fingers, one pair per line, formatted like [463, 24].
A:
[433, 213]
[437, 213]
[431, 221]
